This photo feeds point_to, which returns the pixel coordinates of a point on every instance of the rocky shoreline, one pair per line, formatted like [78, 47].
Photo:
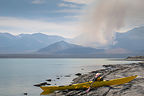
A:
[133, 88]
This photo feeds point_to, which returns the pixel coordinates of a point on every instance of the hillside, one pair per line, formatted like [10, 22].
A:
[131, 40]
[63, 47]
[26, 42]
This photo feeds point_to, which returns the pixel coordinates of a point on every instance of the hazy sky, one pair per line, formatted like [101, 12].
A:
[104, 18]
[56, 17]
[92, 22]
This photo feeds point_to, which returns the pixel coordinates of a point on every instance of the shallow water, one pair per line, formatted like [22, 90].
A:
[18, 76]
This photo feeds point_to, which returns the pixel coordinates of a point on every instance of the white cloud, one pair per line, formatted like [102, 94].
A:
[37, 1]
[69, 11]
[80, 1]
[67, 5]
[17, 26]
[77, 17]
[74, 6]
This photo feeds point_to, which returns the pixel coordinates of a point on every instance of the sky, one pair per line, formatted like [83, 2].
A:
[52, 17]
[90, 22]
[104, 18]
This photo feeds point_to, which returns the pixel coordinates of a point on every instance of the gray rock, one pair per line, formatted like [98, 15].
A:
[49, 80]
[78, 74]
[67, 75]
[133, 88]
[42, 84]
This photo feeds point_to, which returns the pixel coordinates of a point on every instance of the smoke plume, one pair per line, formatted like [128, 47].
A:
[105, 17]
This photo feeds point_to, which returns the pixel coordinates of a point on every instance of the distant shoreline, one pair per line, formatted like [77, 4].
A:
[135, 58]
[35, 55]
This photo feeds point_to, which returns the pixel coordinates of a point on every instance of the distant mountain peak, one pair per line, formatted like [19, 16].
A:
[63, 47]
[26, 42]
[39, 34]
[62, 43]
[7, 35]
[131, 40]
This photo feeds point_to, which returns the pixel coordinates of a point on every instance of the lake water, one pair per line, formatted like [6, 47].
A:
[18, 76]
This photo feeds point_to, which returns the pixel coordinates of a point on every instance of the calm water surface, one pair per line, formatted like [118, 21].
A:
[18, 76]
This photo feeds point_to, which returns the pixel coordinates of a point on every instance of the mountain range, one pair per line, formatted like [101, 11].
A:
[132, 40]
[126, 43]
[26, 42]
[63, 48]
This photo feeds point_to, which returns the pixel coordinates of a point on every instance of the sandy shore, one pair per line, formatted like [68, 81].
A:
[133, 88]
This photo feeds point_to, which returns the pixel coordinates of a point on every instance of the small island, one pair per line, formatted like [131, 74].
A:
[135, 58]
